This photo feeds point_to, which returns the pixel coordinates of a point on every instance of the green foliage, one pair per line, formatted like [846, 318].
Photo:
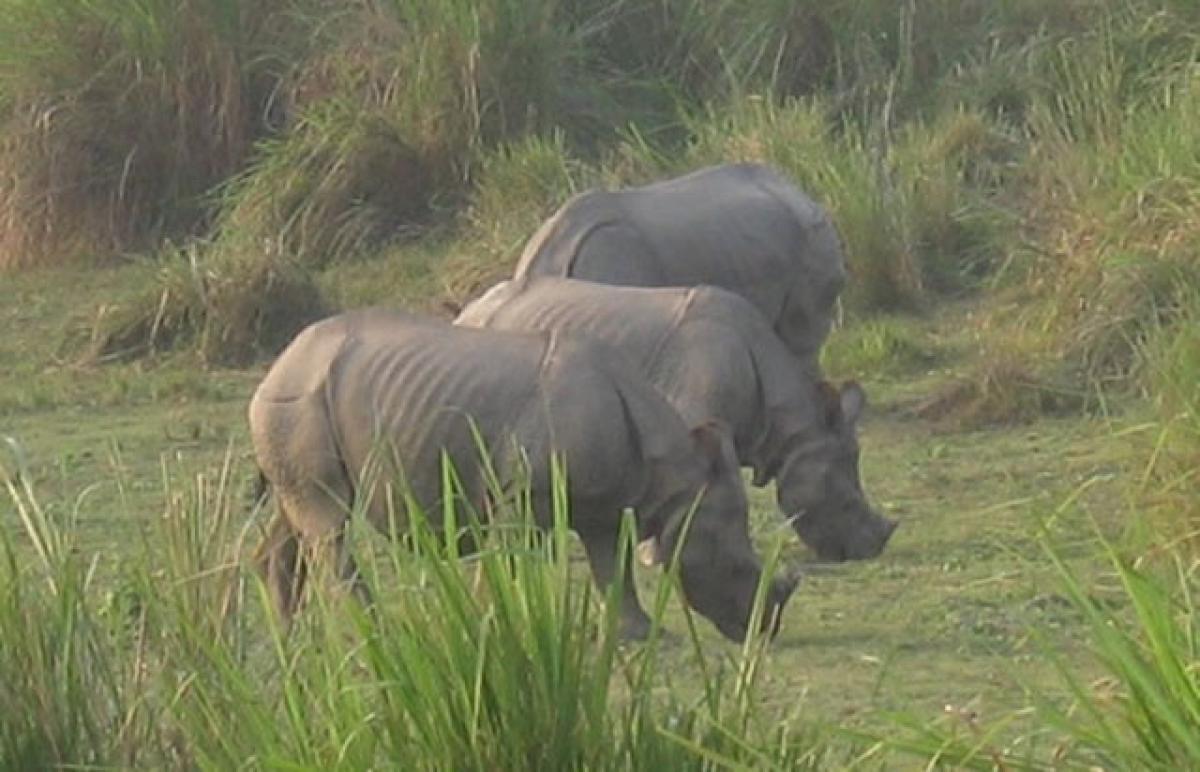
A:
[341, 182]
[875, 348]
[65, 682]
[1171, 482]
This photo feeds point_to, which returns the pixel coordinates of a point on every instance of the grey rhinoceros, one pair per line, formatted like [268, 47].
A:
[738, 226]
[713, 355]
[423, 387]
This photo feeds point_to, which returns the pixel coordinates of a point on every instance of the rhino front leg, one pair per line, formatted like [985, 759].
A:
[602, 545]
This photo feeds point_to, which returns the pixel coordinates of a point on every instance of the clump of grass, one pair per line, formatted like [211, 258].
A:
[66, 692]
[116, 120]
[1171, 483]
[1109, 183]
[231, 308]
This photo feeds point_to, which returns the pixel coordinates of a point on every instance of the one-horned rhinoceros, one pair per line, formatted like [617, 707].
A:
[738, 226]
[712, 355]
[420, 388]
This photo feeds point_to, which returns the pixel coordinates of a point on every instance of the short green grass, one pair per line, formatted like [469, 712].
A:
[958, 613]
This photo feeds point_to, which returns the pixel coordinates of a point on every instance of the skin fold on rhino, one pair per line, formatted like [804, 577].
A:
[713, 356]
[738, 226]
[425, 387]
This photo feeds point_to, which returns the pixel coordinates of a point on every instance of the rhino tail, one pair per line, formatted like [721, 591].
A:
[261, 489]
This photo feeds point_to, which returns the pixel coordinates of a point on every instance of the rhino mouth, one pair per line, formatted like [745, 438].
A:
[864, 542]
[778, 595]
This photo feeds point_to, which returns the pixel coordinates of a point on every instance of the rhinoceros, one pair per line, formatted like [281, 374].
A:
[738, 226]
[424, 388]
[714, 356]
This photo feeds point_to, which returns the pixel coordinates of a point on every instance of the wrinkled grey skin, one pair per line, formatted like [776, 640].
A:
[738, 226]
[713, 356]
[349, 385]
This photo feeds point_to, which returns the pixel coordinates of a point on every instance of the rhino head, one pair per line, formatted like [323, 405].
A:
[818, 483]
[718, 568]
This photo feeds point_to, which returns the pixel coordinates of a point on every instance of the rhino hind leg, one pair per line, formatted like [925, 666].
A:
[602, 546]
[282, 565]
[310, 530]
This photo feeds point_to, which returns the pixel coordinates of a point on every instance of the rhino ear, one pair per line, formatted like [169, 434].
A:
[714, 443]
[852, 400]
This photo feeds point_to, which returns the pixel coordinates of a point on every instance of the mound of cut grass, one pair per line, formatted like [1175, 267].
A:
[1005, 387]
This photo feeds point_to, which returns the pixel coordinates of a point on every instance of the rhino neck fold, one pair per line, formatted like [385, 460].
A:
[788, 435]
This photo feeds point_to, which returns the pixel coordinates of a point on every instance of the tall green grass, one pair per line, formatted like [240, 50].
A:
[69, 692]
[504, 660]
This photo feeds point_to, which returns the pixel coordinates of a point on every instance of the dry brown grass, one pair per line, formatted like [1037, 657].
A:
[1004, 388]
[116, 123]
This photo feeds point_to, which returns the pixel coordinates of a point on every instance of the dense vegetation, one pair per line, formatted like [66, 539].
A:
[262, 162]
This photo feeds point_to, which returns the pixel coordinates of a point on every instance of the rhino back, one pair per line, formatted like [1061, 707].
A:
[739, 226]
[633, 320]
[424, 387]
[697, 346]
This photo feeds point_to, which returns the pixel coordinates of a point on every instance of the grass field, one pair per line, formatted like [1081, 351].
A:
[183, 185]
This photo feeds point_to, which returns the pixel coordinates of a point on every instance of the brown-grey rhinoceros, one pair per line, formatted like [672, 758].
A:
[424, 387]
[738, 226]
[712, 355]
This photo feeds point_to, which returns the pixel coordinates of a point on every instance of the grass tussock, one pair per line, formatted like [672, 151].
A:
[1171, 482]
[230, 308]
[341, 183]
